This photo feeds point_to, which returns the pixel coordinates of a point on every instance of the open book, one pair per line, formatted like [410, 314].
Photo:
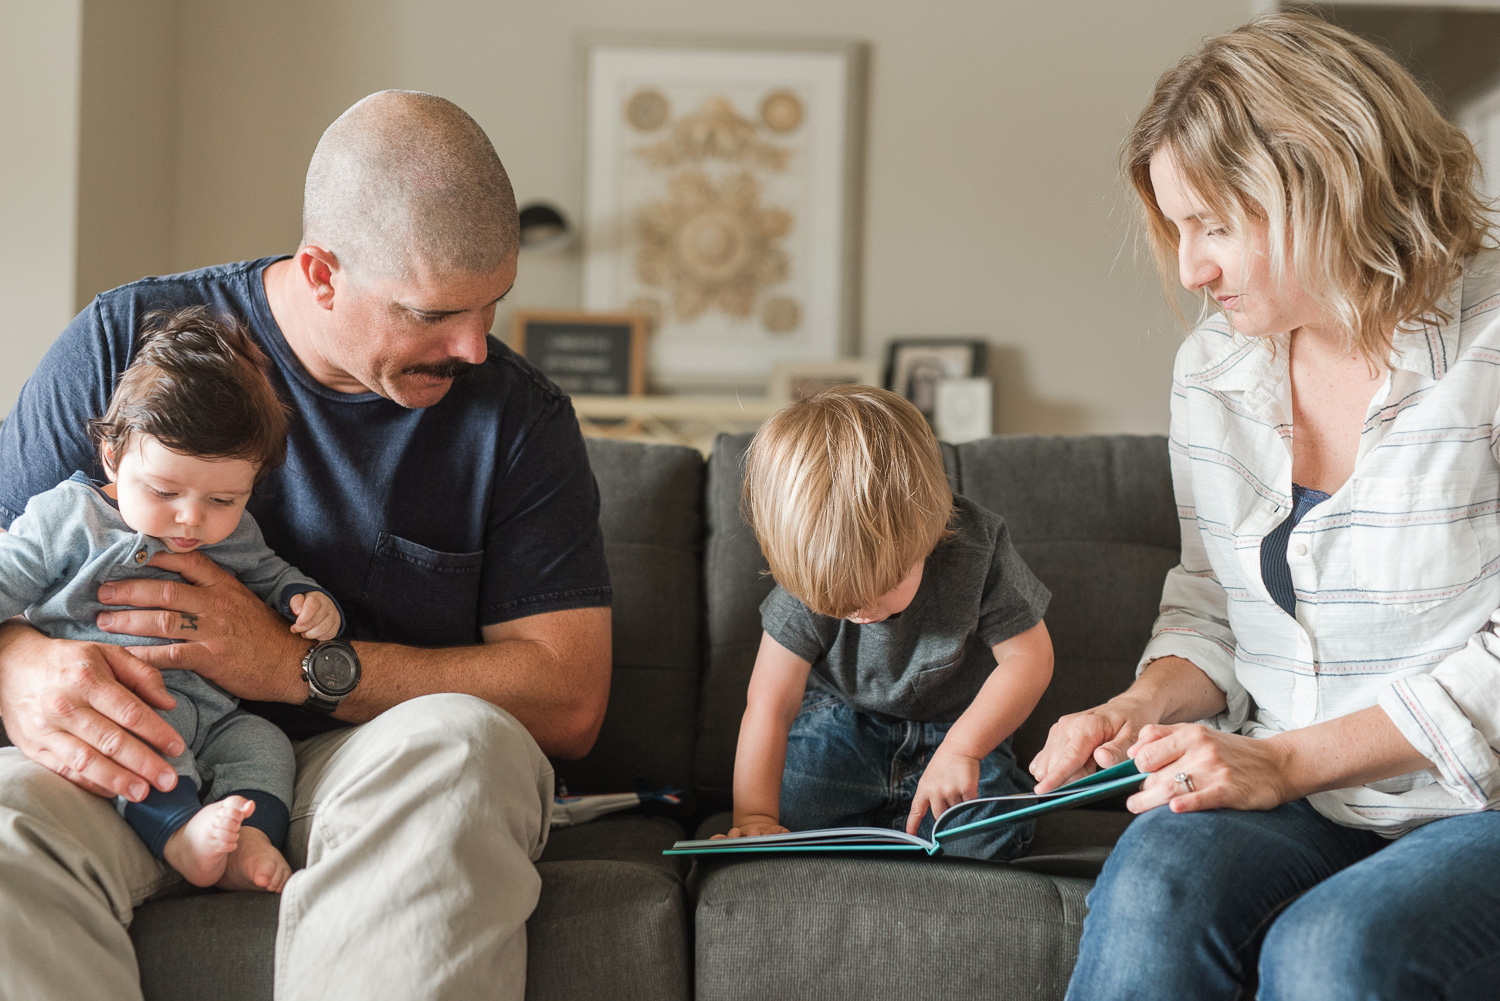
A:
[945, 829]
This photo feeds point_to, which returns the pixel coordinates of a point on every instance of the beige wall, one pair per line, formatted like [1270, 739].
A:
[126, 152]
[39, 56]
[991, 203]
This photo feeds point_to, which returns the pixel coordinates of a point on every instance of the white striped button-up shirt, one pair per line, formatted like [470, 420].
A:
[1395, 574]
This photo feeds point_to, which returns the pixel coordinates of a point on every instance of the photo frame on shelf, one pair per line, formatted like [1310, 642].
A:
[914, 366]
[722, 199]
[586, 353]
[792, 381]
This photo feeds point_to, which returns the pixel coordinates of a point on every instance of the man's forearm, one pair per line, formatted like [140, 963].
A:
[519, 676]
[15, 633]
[556, 683]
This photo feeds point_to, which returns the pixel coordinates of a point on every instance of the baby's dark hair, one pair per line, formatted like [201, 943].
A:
[198, 385]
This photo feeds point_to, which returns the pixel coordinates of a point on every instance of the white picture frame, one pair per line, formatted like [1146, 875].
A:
[721, 199]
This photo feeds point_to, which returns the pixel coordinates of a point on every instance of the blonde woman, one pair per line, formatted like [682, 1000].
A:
[1332, 623]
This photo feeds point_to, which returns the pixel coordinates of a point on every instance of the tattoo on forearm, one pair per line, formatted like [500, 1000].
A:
[189, 621]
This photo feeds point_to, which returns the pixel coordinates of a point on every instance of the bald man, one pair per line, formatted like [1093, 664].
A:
[437, 485]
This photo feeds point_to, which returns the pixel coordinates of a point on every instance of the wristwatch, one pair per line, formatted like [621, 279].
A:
[331, 670]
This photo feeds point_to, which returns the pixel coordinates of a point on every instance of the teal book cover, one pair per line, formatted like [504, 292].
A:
[946, 829]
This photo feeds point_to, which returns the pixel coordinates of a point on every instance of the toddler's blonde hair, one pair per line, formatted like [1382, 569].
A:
[846, 493]
[1323, 135]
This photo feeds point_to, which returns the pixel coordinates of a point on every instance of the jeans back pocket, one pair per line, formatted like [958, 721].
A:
[420, 596]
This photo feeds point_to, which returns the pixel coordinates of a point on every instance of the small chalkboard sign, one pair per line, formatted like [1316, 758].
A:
[586, 354]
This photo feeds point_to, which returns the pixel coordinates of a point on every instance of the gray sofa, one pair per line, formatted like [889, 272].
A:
[1094, 518]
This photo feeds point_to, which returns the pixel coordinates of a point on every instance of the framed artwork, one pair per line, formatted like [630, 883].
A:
[722, 200]
[792, 381]
[914, 366]
[585, 353]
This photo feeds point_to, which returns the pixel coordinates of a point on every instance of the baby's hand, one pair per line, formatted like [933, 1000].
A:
[753, 827]
[317, 615]
[950, 779]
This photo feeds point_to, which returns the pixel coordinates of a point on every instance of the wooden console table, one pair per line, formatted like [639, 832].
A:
[679, 420]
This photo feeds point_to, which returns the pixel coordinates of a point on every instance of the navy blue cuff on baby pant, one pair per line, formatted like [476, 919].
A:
[158, 816]
[271, 815]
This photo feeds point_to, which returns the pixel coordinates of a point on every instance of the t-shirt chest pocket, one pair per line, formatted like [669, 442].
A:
[426, 597]
[1413, 540]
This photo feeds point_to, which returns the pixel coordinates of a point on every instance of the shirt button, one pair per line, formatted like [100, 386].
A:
[1300, 549]
[141, 556]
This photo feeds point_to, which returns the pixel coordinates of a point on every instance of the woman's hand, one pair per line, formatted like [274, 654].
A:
[1224, 770]
[1080, 743]
[1170, 688]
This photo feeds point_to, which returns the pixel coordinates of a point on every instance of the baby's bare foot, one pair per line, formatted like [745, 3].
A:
[200, 849]
[255, 864]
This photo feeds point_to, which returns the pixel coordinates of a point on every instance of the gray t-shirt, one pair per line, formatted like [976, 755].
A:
[929, 662]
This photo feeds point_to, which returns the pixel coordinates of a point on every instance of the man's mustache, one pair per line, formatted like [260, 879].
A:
[450, 369]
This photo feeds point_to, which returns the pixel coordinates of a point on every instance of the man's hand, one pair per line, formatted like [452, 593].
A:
[84, 711]
[317, 616]
[225, 633]
[753, 826]
[949, 779]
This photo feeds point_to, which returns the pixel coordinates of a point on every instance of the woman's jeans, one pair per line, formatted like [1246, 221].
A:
[847, 769]
[1288, 905]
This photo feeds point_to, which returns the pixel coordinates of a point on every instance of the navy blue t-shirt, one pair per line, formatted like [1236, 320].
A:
[425, 524]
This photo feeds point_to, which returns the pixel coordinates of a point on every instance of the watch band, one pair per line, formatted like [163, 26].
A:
[318, 704]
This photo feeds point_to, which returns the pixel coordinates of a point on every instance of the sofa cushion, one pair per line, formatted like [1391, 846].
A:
[1074, 842]
[621, 837]
[612, 921]
[219, 945]
[1094, 518]
[917, 928]
[608, 929]
[736, 581]
[652, 519]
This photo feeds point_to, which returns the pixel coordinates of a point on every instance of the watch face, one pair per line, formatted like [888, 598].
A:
[335, 669]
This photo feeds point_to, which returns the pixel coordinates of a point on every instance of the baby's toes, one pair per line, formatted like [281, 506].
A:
[280, 873]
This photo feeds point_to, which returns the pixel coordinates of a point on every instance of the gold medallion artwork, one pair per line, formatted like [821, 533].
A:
[782, 314]
[711, 241]
[712, 246]
[781, 111]
[647, 110]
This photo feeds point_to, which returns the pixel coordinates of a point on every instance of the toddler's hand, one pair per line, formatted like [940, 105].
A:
[317, 615]
[950, 778]
[753, 827]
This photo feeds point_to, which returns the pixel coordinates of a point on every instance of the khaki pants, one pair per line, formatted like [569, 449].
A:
[413, 837]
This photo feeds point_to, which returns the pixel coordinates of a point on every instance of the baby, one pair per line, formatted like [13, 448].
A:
[903, 643]
[192, 427]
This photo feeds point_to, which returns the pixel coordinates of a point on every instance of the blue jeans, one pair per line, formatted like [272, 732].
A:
[1287, 905]
[847, 769]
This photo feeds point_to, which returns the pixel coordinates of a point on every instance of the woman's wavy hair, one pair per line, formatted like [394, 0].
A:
[1297, 122]
[846, 492]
